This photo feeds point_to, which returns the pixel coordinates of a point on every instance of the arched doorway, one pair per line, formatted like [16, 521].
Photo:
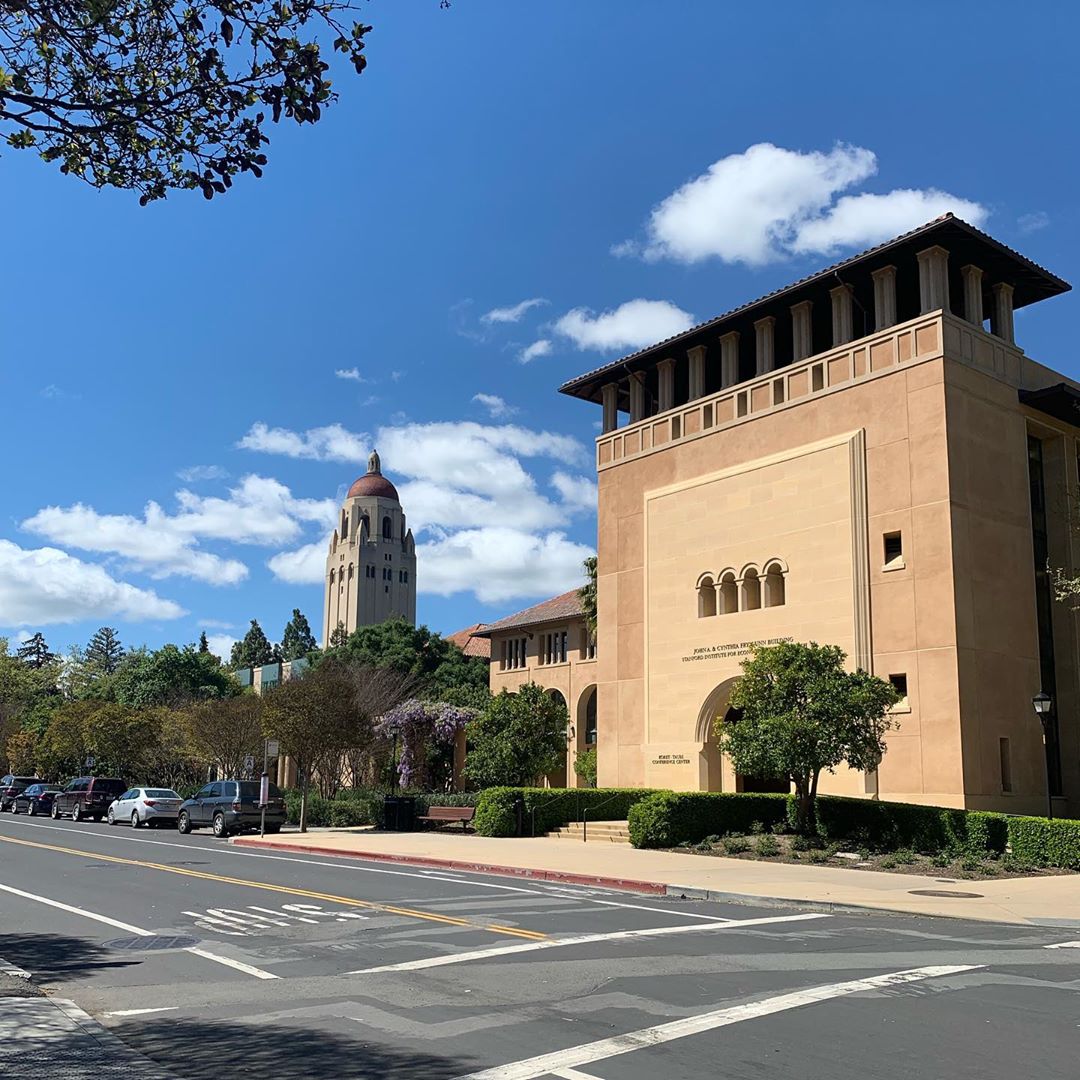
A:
[585, 729]
[557, 778]
[711, 763]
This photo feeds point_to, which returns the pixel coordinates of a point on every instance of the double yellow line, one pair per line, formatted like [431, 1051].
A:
[348, 901]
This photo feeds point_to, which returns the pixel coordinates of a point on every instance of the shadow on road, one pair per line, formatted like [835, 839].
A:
[57, 956]
[204, 1050]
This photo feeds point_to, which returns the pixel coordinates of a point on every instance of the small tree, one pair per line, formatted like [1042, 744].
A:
[801, 712]
[517, 739]
[224, 732]
[104, 652]
[297, 639]
[585, 766]
[204, 643]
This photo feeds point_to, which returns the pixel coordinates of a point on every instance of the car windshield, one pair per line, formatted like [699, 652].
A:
[249, 789]
[115, 787]
[50, 787]
[161, 793]
[24, 780]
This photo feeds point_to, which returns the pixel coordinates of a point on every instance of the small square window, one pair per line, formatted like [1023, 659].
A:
[894, 551]
[1006, 765]
[899, 683]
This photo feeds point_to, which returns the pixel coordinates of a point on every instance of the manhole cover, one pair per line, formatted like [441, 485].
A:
[147, 944]
[952, 893]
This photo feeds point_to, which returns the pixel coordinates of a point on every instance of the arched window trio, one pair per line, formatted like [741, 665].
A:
[748, 589]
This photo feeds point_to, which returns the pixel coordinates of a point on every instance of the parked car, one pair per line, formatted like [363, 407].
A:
[11, 785]
[36, 799]
[231, 806]
[87, 797]
[145, 806]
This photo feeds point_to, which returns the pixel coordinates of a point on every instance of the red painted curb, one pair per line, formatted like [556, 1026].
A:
[654, 888]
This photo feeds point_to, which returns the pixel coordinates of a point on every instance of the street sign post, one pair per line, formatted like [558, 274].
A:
[270, 749]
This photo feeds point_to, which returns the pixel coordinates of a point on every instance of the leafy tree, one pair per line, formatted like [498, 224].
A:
[585, 766]
[159, 95]
[425, 733]
[253, 650]
[27, 696]
[587, 595]
[170, 676]
[104, 652]
[35, 653]
[225, 731]
[204, 645]
[22, 753]
[799, 712]
[338, 636]
[517, 739]
[297, 639]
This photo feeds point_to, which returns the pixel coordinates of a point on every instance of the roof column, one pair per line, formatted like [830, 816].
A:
[843, 326]
[666, 370]
[933, 279]
[973, 300]
[764, 336]
[610, 396]
[729, 359]
[637, 397]
[802, 335]
[696, 356]
[1001, 322]
[884, 297]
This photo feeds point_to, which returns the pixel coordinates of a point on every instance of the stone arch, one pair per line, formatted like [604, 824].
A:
[711, 764]
[557, 779]
[586, 717]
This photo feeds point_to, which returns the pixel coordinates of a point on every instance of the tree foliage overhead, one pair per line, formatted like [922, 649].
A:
[168, 676]
[158, 95]
[799, 712]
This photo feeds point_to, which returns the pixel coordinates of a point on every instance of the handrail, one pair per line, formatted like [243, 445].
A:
[571, 791]
[585, 820]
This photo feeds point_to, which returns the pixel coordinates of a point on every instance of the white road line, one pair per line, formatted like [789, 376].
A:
[13, 971]
[80, 911]
[561, 1061]
[1064, 945]
[142, 1012]
[581, 939]
[574, 1074]
[341, 864]
[228, 961]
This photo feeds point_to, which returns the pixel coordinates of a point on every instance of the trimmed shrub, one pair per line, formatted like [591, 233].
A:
[553, 807]
[668, 818]
[1045, 842]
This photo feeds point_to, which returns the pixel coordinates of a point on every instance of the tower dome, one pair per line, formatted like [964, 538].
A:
[373, 482]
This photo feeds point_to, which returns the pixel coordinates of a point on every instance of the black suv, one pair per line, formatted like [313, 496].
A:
[87, 797]
[11, 785]
[231, 806]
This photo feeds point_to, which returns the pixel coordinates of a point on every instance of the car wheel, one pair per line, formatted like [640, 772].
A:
[183, 823]
[76, 812]
[220, 828]
[32, 809]
[135, 822]
[54, 813]
[110, 817]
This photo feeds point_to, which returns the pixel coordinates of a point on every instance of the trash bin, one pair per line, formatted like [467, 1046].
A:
[399, 813]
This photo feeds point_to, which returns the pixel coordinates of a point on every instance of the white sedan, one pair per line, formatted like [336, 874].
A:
[145, 806]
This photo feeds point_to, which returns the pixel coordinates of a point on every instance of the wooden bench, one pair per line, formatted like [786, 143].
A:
[442, 815]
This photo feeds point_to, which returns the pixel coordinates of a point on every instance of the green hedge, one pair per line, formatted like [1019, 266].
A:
[1045, 842]
[553, 806]
[669, 818]
[363, 806]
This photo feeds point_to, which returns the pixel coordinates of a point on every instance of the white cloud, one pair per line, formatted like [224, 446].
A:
[1029, 223]
[496, 407]
[194, 473]
[44, 585]
[577, 491]
[512, 314]
[767, 202]
[498, 563]
[259, 510]
[221, 645]
[330, 443]
[632, 325]
[535, 351]
[352, 374]
[304, 566]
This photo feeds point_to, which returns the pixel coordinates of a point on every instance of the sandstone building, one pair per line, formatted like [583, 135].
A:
[866, 458]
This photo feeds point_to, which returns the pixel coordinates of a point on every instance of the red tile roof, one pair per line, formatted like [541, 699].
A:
[566, 606]
[468, 642]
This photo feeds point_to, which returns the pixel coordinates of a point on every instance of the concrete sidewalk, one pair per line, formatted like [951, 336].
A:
[1042, 901]
[44, 1038]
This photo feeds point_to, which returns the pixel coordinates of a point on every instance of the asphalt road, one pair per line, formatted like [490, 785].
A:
[216, 961]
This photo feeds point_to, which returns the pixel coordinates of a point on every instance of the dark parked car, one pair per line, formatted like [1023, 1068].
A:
[36, 799]
[231, 806]
[11, 785]
[87, 797]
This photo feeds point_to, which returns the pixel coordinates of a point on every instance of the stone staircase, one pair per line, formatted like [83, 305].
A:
[600, 832]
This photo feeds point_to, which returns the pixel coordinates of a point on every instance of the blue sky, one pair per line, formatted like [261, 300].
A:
[187, 390]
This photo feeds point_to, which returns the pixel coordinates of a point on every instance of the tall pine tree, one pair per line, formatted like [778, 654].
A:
[104, 653]
[204, 645]
[254, 650]
[35, 653]
[297, 640]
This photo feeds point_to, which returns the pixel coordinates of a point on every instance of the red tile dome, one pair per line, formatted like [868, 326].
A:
[373, 483]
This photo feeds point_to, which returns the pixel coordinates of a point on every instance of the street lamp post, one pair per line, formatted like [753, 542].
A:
[1042, 703]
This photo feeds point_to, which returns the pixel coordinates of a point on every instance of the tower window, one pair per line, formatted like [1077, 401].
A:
[899, 683]
[387, 528]
[894, 551]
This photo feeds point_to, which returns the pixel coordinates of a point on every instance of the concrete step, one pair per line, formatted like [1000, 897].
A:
[611, 832]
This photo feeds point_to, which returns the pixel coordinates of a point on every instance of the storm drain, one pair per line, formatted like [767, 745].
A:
[953, 893]
[156, 943]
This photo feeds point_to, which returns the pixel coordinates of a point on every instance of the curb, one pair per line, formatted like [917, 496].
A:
[650, 888]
